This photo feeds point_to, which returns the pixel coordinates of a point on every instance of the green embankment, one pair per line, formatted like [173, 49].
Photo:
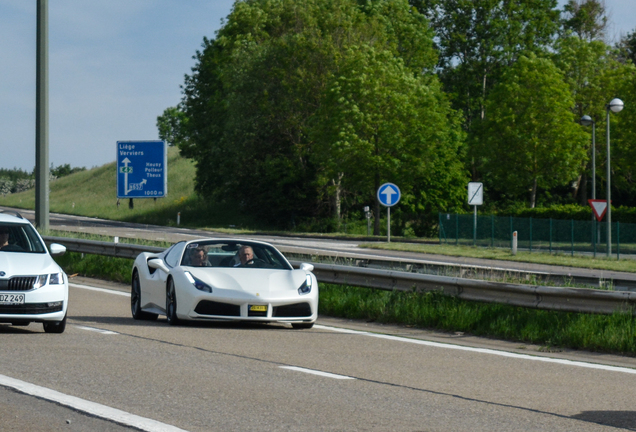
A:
[93, 193]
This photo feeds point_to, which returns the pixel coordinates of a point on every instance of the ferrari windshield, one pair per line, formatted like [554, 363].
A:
[233, 254]
[19, 238]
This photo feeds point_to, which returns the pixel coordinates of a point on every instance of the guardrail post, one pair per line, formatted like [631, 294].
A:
[456, 229]
[618, 240]
[514, 243]
[511, 232]
[572, 238]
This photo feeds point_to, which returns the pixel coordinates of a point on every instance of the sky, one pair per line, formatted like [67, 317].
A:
[114, 66]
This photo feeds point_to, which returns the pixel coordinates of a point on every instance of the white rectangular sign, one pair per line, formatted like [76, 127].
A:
[475, 193]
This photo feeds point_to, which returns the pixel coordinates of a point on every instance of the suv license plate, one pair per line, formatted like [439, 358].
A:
[11, 299]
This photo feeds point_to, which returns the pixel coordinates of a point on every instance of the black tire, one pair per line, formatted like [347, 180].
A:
[299, 326]
[55, 326]
[171, 303]
[135, 301]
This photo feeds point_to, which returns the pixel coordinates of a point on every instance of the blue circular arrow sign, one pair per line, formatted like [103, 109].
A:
[389, 194]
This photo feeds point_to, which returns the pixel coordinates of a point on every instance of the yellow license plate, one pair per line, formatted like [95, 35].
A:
[258, 308]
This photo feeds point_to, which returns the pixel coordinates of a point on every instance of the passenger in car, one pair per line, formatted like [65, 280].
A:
[199, 258]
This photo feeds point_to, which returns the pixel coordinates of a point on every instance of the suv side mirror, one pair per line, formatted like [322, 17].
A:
[57, 249]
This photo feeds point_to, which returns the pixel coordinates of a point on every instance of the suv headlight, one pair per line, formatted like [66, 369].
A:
[198, 283]
[305, 288]
[56, 278]
[40, 281]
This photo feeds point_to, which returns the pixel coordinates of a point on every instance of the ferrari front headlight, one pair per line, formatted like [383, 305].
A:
[305, 288]
[198, 283]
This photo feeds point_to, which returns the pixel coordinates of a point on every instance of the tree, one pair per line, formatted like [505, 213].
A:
[585, 18]
[477, 40]
[381, 123]
[627, 48]
[593, 72]
[172, 125]
[530, 137]
[255, 102]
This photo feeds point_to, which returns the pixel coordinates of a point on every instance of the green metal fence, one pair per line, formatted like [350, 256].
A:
[534, 235]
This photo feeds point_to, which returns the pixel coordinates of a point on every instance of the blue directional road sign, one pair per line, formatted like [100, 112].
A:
[142, 169]
[389, 194]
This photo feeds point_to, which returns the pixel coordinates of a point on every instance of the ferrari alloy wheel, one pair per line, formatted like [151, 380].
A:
[55, 326]
[135, 301]
[299, 326]
[171, 303]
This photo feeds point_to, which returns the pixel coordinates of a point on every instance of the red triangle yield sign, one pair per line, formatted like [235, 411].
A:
[599, 207]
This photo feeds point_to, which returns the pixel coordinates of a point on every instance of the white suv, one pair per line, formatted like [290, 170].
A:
[33, 288]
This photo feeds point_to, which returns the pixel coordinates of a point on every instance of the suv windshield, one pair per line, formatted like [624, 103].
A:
[19, 238]
[228, 254]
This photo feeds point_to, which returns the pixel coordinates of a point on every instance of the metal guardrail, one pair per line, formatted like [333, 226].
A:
[541, 297]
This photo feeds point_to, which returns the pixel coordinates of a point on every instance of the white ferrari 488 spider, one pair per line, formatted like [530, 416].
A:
[221, 279]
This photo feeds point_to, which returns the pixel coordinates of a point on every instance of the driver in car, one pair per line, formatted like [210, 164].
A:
[4, 237]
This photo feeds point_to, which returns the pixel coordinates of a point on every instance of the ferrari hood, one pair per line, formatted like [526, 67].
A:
[26, 264]
[251, 280]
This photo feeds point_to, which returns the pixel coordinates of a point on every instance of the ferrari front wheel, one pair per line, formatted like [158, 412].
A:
[171, 303]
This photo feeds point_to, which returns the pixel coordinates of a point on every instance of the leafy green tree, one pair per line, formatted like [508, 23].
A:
[586, 18]
[172, 126]
[593, 72]
[477, 40]
[64, 170]
[627, 48]
[530, 137]
[381, 123]
[257, 101]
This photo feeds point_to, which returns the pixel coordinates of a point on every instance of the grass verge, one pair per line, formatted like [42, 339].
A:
[605, 333]
[626, 265]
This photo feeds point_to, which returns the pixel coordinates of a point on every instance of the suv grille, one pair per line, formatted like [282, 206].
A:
[31, 308]
[18, 283]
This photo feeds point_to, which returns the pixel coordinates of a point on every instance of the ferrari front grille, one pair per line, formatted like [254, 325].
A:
[292, 310]
[18, 283]
[208, 307]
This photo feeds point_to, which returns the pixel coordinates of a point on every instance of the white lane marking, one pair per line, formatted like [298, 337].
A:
[109, 291]
[315, 372]
[93, 329]
[482, 350]
[92, 408]
[446, 345]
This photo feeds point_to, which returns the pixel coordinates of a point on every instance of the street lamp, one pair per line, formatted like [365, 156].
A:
[586, 120]
[616, 105]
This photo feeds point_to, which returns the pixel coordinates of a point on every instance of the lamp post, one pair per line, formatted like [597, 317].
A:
[587, 121]
[616, 105]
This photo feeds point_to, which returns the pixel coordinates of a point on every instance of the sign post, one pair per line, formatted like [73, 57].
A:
[599, 207]
[388, 195]
[142, 169]
[475, 198]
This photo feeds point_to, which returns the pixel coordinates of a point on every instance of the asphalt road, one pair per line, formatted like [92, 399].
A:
[340, 375]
